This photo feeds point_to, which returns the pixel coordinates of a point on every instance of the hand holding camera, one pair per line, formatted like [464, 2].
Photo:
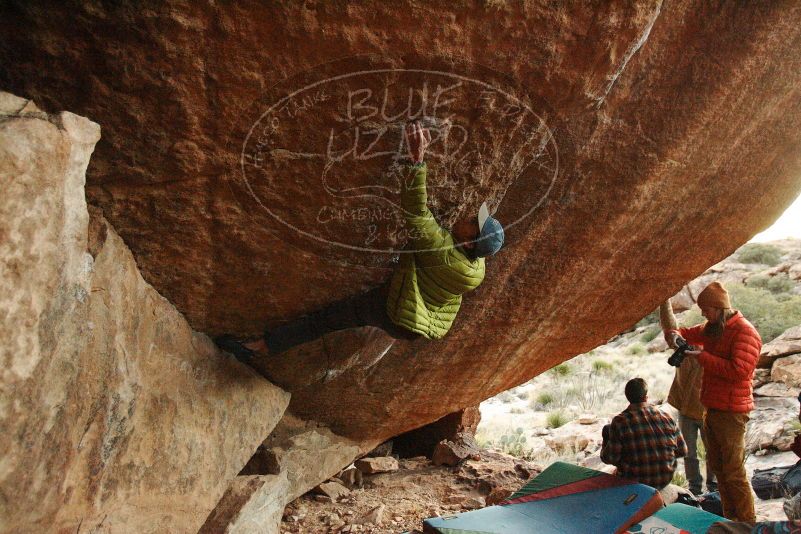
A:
[683, 349]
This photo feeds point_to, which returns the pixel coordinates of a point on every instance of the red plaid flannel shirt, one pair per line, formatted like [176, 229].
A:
[643, 444]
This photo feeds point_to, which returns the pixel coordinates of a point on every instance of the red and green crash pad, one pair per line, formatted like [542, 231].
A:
[564, 498]
[677, 519]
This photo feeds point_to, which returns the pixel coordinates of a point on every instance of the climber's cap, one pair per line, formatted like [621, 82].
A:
[490, 238]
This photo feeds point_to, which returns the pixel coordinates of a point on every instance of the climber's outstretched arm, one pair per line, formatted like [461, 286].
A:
[425, 232]
[417, 139]
[667, 321]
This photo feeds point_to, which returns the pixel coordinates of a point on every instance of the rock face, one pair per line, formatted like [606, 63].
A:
[771, 425]
[295, 458]
[422, 441]
[309, 454]
[623, 140]
[251, 504]
[379, 464]
[452, 452]
[787, 370]
[787, 344]
[333, 490]
[575, 436]
[116, 416]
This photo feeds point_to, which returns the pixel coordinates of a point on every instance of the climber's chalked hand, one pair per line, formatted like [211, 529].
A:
[417, 139]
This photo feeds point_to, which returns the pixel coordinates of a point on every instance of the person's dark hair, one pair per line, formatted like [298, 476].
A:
[636, 390]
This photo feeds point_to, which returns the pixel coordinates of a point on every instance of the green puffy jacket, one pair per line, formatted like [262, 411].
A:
[426, 290]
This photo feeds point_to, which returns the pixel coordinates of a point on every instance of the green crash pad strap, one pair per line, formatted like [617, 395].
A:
[588, 484]
[557, 474]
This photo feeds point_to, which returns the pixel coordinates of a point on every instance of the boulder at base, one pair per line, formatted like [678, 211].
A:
[116, 416]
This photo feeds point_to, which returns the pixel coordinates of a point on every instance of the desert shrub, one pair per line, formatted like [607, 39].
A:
[519, 393]
[600, 366]
[555, 419]
[651, 318]
[775, 284]
[591, 391]
[650, 333]
[547, 455]
[505, 397]
[691, 317]
[761, 253]
[542, 400]
[780, 284]
[771, 314]
[636, 349]
[563, 369]
[517, 411]
[514, 443]
[483, 441]
[571, 393]
[758, 280]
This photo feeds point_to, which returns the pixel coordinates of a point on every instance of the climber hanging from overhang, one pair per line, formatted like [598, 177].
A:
[425, 293]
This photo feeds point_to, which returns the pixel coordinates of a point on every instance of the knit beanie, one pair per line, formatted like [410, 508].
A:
[714, 296]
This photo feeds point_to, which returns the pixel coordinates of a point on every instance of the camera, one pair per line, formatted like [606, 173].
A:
[681, 348]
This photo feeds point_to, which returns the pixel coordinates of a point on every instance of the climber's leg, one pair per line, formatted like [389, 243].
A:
[229, 343]
[367, 309]
[375, 314]
[257, 345]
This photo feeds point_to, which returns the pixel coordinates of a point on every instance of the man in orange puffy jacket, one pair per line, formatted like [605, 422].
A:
[730, 348]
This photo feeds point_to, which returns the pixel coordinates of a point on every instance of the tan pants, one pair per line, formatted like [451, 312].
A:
[725, 454]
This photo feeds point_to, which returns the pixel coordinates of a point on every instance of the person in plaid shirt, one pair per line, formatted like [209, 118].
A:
[642, 441]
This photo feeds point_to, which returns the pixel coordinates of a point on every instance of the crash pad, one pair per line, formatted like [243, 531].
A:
[677, 519]
[562, 499]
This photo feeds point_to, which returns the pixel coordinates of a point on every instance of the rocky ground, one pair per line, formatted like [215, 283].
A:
[559, 414]
[400, 499]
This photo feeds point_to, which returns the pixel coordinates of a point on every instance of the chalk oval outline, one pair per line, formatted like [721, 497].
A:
[310, 235]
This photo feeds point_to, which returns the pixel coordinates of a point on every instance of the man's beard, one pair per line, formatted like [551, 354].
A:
[714, 329]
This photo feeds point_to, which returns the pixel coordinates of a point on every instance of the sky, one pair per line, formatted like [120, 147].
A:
[788, 225]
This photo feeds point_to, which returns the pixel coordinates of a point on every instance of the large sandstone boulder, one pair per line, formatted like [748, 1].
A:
[771, 425]
[251, 504]
[496, 475]
[787, 344]
[116, 416]
[787, 370]
[456, 450]
[422, 441]
[626, 145]
[575, 436]
[309, 453]
[295, 458]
